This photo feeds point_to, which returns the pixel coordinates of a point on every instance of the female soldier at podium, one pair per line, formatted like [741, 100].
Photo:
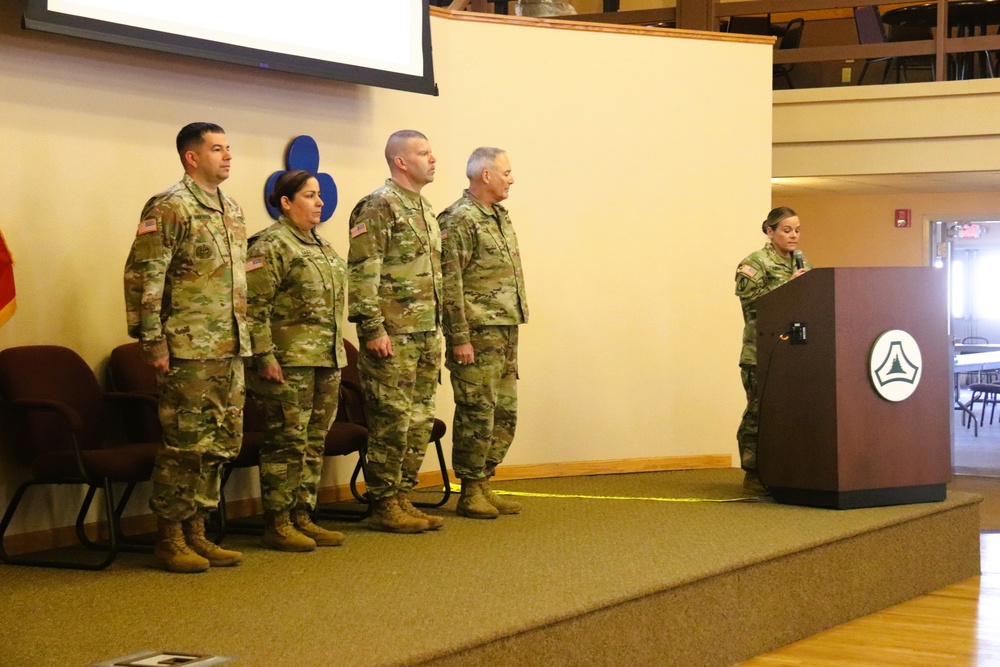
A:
[760, 272]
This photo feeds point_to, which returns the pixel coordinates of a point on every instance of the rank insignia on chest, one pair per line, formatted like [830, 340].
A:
[748, 270]
[146, 226]
[254, 263]
[358, 229]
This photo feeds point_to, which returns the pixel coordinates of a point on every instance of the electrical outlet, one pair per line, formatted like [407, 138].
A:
[845, 75]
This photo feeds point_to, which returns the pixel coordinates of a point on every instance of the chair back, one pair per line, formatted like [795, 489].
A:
[868, 22]
[749, 25]
[793, 34]
[59, 376]
[350, 372]
[975, 340]
[128, 372]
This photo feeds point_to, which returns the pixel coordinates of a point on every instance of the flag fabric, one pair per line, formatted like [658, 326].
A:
[8, 304]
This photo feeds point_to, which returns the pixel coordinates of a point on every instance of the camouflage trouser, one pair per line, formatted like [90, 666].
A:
[201, 411]
[485, 402]
[399, 408]
[746, 435]
[297, 416]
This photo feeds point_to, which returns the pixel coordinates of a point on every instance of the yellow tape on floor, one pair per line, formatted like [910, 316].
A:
[528, 494]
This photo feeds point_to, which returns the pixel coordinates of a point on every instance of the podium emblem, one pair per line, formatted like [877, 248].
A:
[895, 365]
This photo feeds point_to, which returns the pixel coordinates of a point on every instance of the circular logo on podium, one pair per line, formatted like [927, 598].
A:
[895, 364]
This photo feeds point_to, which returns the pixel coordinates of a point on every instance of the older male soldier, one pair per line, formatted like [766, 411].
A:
[394, 267]
[484, 304]
[185, 292]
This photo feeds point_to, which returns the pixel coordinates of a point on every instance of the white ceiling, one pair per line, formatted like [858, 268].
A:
[870, 184]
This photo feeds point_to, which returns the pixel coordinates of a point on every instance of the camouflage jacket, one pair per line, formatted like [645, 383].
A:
[295, 283]
[185, 285]
[394, 264]
[483, 282]
[758, 274]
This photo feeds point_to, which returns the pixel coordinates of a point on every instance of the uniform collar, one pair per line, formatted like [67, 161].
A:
[411, 198]
[495, 211]
[207, 200]
[306, 237]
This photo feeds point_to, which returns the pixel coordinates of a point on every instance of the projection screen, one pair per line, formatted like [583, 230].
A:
[384, 43]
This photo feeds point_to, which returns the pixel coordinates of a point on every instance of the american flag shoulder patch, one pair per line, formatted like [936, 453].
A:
[748, 270]
[146, 226]
[254, 263]
[444, 234]
[358, 229]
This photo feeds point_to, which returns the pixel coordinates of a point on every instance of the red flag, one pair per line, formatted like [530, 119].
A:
[8, 304]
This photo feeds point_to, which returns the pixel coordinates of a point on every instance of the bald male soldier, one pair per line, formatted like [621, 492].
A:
[186, 297]
[394, 267]
[484, 303]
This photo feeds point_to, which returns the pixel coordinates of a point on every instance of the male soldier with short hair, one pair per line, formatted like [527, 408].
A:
[394, 295]
[185, 292]
[483, 305]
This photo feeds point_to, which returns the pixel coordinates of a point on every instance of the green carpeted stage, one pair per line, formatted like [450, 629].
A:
[572, 581]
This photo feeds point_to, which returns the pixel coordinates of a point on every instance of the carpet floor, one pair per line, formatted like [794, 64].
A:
[386, 599]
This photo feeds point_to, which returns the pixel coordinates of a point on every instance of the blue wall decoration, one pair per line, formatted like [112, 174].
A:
[303, 153]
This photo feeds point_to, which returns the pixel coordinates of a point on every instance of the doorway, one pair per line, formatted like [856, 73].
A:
[969, 251]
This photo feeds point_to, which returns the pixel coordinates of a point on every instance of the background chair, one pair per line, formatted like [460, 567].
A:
[749, 25]
[871, 30]
[59, 431]
[791, 39]
[350, 380]
[129, 372]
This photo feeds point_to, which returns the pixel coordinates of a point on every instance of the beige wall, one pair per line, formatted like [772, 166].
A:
[857, 230]
[638, 189]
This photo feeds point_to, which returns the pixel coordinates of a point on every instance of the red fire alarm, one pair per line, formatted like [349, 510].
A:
[902, 217]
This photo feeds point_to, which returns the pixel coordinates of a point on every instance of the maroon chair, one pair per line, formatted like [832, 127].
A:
[60, 432]
[129, 372]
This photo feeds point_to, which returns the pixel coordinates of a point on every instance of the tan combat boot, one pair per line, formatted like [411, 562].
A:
[472, 503]
[172, 552]
[434, 522]
[194, 535]
[389, 517]
[321, 536]
[280, 534]
[503, 505]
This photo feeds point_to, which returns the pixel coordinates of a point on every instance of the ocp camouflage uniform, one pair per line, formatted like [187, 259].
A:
[759, 273]
[484, 302]
[185, 295]
[296, 299]
[395, 290]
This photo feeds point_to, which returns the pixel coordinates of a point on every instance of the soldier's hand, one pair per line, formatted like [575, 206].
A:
[799, 273]
[161, 365]
[381, 347]
[272, 373]
[464, 354]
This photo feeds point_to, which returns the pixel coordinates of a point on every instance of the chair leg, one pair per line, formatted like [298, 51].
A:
[864, 69]
[444, 479]
[8, 516]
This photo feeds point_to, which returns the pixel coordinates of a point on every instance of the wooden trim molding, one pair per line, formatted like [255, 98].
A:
[610, 28]
[146, 523]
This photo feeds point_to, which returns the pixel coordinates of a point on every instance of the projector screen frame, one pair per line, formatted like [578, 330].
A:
[37, 16]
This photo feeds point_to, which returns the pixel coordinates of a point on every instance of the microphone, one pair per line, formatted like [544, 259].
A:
[797, 256]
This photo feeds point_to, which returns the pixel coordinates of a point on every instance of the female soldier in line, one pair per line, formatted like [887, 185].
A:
[759, 273]
[295, 283]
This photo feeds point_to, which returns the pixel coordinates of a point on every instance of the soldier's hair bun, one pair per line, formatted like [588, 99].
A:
[288, 185]
[775, 216]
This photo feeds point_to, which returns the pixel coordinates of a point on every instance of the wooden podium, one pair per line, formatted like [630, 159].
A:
[827, 436]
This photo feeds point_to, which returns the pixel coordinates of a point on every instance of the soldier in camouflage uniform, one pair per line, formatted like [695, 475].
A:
[762, 271]
[296, 299]
[185, 292]
[484, 302]
[395, 294]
